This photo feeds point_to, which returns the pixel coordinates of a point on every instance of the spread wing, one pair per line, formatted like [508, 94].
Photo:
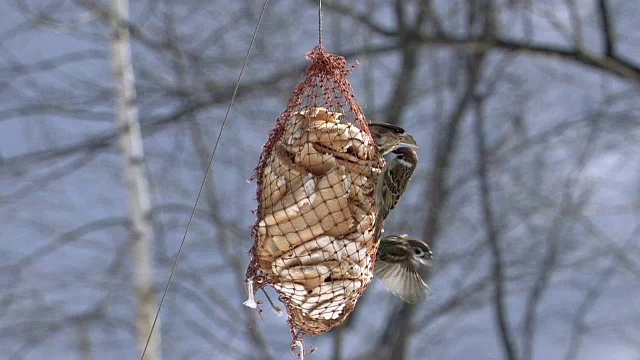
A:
[402, 279]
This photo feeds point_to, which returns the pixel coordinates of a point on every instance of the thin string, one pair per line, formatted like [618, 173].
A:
[204, 180]
[320, 22]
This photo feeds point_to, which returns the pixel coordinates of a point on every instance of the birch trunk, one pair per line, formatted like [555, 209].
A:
[136, 180]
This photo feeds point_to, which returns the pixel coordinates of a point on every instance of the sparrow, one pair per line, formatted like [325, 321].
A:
[388, 137]
[392, 183]
[397, 263]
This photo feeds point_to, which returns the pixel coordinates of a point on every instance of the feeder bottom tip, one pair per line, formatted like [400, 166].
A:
[250, 303]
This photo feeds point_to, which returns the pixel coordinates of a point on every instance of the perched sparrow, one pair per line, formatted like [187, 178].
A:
[392, 183]
[397, 265]
[388, 137]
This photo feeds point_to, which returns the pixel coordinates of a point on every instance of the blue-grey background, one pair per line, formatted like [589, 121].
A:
[559, 155]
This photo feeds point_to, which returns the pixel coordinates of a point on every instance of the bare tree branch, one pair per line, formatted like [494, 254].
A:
[224, 242]
[395, 337]
[608, 29]
[405, 80]
[608, 62]
[618, 66]
[364, 19]
[498, 268]
[148, 330]
[85, 348]
[66, 238]
[42, 181]
[578, 325]
[576, 23]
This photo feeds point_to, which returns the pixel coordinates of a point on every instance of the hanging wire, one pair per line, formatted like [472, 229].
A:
[204, 180]
[320, 22]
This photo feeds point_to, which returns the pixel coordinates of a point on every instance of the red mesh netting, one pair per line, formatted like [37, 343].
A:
[316, 178]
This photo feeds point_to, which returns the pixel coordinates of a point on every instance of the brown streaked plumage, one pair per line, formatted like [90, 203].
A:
[388, 137]
[397, 264]
[393, 181]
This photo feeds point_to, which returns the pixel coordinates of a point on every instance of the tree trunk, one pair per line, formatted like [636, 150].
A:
[136, 180]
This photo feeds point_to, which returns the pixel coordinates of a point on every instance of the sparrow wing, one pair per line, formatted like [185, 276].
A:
[402, 279]
[381, 126]
[385, 197]
[396, 182]
[386, 190]
[392, 184]
[394, 134]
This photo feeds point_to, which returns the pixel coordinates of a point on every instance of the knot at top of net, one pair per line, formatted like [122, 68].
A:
[327, 64]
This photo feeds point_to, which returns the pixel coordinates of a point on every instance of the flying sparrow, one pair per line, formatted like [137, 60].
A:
[393, 182]
[388, 137]
[397, 263]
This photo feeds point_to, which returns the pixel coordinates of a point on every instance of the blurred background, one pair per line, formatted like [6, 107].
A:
[526, 113]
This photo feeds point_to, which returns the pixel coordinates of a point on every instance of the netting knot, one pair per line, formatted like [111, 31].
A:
[327, 63]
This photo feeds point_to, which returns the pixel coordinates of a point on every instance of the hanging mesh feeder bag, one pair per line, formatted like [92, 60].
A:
[316, 177]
